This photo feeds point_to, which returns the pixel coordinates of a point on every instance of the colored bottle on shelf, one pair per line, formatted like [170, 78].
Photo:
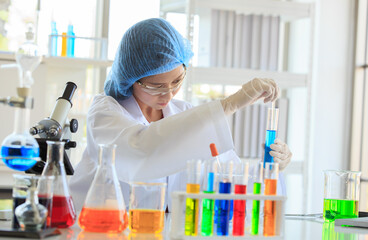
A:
[53, 40]
[63, 44]
[70, 41]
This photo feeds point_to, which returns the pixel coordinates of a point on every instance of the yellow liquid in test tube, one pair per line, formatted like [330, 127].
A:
[192, 211]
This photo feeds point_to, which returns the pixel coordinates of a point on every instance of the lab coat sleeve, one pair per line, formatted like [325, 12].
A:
[163, 147]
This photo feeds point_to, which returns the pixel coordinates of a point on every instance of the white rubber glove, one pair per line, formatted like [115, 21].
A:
[249, 93]
[280, 153]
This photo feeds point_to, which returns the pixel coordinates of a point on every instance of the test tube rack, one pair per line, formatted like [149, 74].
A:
[177, 219]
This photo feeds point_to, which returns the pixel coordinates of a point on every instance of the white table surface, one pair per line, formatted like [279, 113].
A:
[295, 229]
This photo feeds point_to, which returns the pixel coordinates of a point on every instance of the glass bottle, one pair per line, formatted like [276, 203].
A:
[31, 215]
[70, 41]
[104, 207]
[63, 212]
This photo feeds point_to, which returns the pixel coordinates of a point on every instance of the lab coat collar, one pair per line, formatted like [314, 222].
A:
[131, 105]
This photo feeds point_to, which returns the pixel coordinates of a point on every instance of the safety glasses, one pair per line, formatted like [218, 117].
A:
[160, 90]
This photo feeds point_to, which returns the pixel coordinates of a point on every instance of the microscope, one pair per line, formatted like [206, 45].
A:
[57, 127]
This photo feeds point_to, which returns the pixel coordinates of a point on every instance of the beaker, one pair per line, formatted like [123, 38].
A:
[341, 194]
[44, 187]
[146, 207]
[271, 175]
[271, 132]
[63, 212]
[104, 208]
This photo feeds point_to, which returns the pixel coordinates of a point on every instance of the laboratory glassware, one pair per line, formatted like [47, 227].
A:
[192, 205]
[240, 187]
[341, 194]
[31, 215]
[104, 208]
[257, 186]
[63, 212]
[19, 150]
[21, 185]
[63, 44]
[146, 207]
[208, 205]
[70, 41]
[271, 174]
[223, 210]
[271, 132]
[53, 39]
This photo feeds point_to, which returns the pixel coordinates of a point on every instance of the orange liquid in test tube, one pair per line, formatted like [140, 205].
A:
[146, 221]
[269, 225]
[103, 220]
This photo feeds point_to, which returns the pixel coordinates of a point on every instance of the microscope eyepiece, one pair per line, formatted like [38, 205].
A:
[69, 91]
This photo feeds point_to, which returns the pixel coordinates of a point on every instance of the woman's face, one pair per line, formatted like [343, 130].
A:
[158, 90]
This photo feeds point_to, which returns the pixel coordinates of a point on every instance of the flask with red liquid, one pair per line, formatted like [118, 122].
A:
[104, 208]
[62, 213]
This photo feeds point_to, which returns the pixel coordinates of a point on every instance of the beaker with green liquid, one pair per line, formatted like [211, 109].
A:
[341, 194]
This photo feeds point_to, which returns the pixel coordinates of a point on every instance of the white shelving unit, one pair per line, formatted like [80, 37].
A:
[288, 13]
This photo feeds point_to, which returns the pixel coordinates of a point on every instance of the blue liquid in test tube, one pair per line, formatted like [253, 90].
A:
[223, 213]
[271, 132]
[270, 139]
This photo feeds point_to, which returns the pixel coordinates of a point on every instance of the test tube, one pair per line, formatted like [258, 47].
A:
[257, 185]
[192, 205]
[208, 205]
[271, 132]
[223, 214]
[270, 180]
[240, 187]
[220, 173]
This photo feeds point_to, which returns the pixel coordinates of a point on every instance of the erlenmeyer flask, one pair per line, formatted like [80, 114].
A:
[63, 212]
[104, 208]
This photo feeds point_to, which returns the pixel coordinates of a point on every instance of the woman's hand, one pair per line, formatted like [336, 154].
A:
[281, 153]
[249, 93]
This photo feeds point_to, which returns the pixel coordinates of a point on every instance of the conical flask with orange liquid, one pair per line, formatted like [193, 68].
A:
[104, 208]
[63, 212]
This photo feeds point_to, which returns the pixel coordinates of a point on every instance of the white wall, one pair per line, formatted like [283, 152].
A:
[331, 89]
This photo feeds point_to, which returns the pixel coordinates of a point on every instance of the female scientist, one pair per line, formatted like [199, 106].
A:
[154, 133]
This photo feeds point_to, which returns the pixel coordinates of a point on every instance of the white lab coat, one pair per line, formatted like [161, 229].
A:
[149, 152]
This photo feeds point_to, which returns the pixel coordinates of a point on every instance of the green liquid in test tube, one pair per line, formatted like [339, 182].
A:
[256, 207]
[208, 205]
[257, 186]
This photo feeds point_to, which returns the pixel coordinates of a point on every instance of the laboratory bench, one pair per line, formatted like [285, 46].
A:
[295, 229]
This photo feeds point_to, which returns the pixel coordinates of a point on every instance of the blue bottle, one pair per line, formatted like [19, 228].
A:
[70, 41]
[54, 39]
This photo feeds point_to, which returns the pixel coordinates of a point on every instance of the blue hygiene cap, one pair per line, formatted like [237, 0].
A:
[149, 47]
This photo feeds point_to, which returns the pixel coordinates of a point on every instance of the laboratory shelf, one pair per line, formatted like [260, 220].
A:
[239, 76]
[75, 62]
[289, 11]
[63, 61]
